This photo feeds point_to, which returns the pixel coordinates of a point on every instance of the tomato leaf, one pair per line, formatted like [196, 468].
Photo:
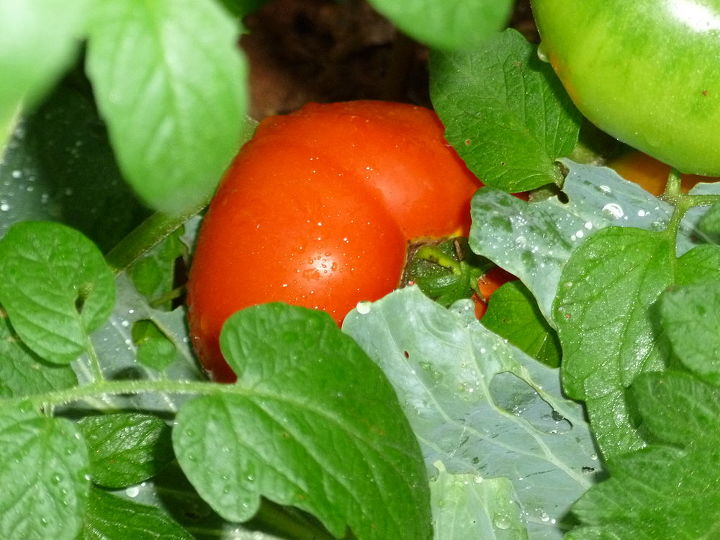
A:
[170, 82]
[109, 516]
[453, 24]
[310, 423]
[126, 449]
[534, 241]
[24, 373]
[660, 491]
[56, 288]
[513, 314]
[479, 405]
[43, 466]
[52, 167]
[39, 40]
[607, 323]
[505, 112]
[456, 499]
[691, 317]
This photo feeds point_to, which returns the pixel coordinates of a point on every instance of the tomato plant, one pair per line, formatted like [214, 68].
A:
[639, 71]
[317, 210]
[650, 173]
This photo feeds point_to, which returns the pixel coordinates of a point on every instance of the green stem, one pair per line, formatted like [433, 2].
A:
[94, 362]
[673, 187]
[146, 236]
[78, 393]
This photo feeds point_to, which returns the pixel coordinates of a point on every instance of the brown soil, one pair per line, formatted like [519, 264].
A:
[325, 50]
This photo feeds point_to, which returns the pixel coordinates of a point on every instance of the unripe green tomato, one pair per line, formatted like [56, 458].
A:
[645, 71]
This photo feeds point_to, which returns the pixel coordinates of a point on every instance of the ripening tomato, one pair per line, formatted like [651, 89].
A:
[317, 210]
[650, 173]
[644, 71]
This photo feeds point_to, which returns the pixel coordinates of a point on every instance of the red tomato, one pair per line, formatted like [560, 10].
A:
[317, 211]
[490, 282]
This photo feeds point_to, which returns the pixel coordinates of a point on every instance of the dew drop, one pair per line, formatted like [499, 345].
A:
[132, 492]
[363, 308]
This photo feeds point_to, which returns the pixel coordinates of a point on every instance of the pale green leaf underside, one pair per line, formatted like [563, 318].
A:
[479, 405]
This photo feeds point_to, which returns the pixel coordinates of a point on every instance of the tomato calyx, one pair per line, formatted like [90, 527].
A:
[445, 270]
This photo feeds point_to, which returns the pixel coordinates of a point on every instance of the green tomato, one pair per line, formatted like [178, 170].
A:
[645, 71]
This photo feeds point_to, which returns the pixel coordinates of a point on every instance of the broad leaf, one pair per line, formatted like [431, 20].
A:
[505, 112]
[311, 423]
[126, 449]
[110, 517]
[605, 313]
[38, 39]
[44, 476]
[470, 507]
[24, 373]
[479, 405]
[452, 24]
[691, 317]
[170, 82]
[668, 491]
[56, 288]
[513, 314]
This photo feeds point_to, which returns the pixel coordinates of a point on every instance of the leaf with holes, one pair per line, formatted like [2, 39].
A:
[44, 476]
[311, 423]
[170, 82]
[55, 287]
[480, 405]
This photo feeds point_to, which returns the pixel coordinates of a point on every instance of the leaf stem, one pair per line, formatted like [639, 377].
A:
[94, 362]
[104, 387]
[673, 187]
[147, 235]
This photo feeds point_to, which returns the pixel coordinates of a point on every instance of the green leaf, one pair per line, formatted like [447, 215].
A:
[56, 288]
[691, 319]
[710, 223]
[480, 405]
[505, 112]
[154, 273]
[451, 24]
[126, 449]
[457, 499]
[605, 326]
[38, 39]
[662, 491]
[513, 314]
[59, 166]
[311, 423]
[154, 349]
[110, 517]
[22, 372]
[43, 473]
[170, 82]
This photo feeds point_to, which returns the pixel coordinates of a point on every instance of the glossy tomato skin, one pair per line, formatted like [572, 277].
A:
[299, 217]
[650, 173]
[397, 150]
[644, 71]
